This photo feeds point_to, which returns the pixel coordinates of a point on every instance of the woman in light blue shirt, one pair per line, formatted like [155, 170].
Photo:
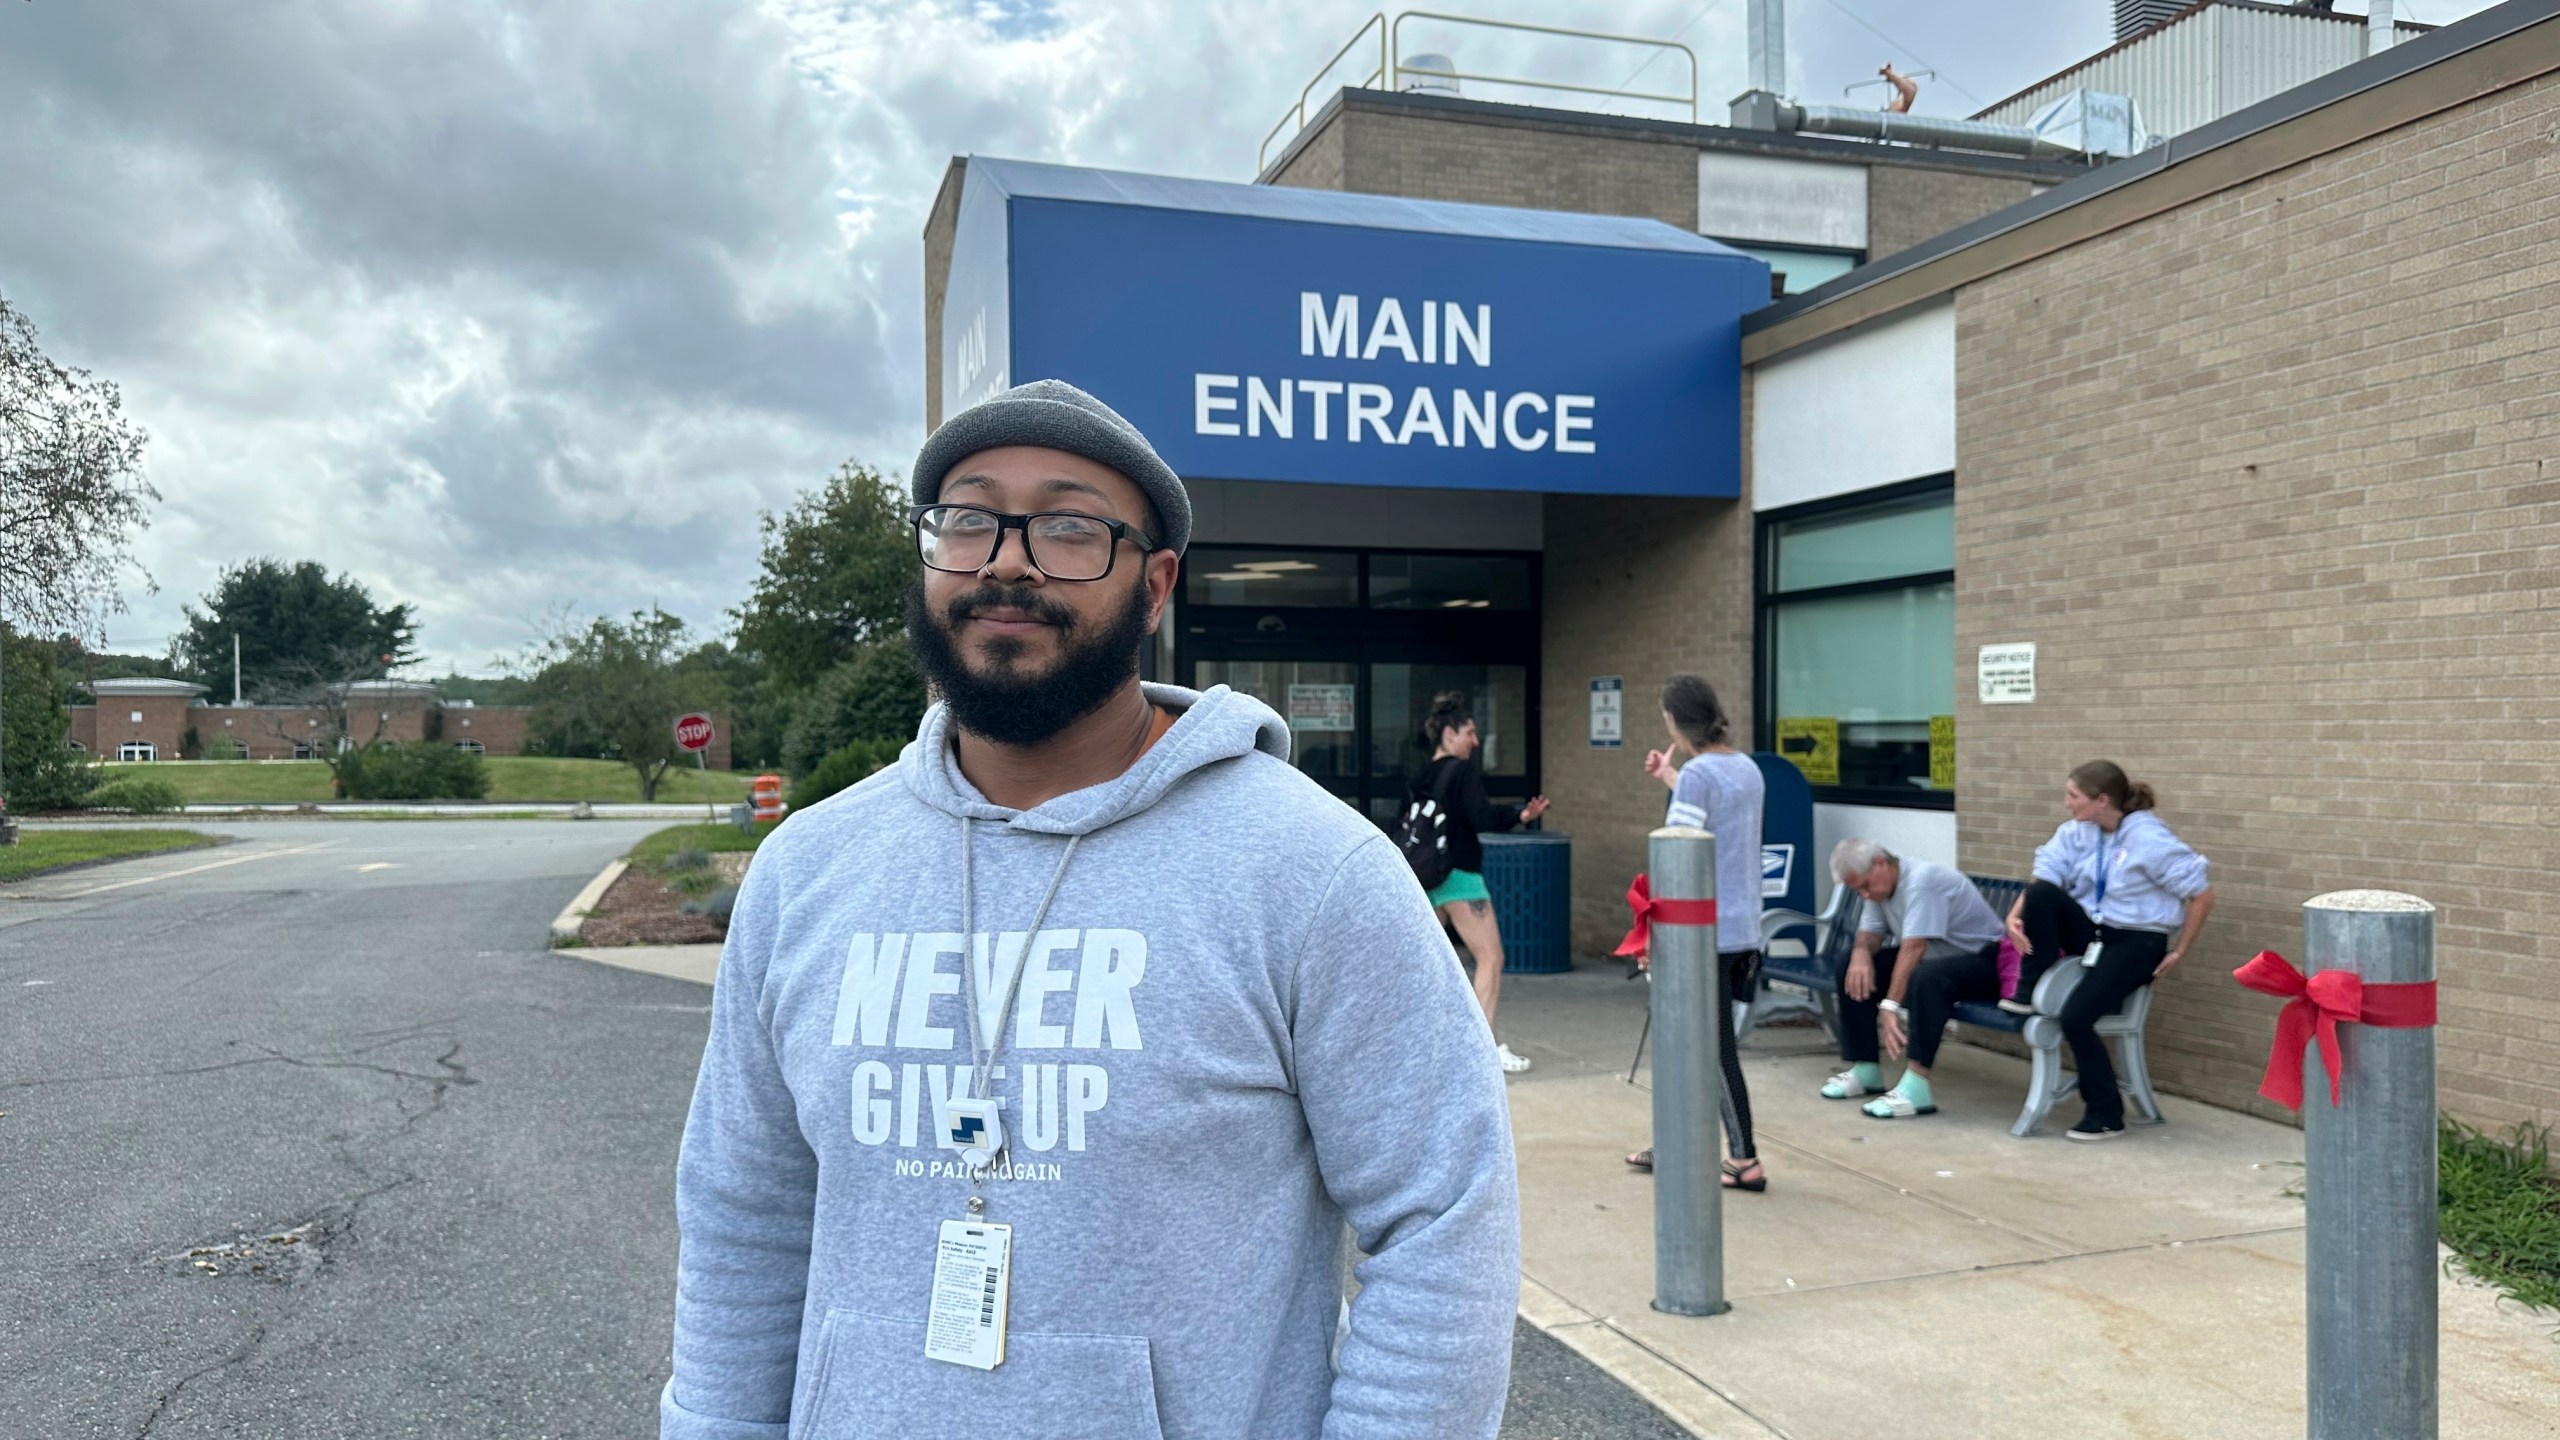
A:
[2118, 887]
[1719, 791]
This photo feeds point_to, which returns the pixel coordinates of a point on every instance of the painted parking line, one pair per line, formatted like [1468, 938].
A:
[195, 869]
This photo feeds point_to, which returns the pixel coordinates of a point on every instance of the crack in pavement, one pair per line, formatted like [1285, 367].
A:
[454, 1075]
[160, 1406]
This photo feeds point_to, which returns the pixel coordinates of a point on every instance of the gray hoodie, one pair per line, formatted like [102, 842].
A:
[1238, 1027]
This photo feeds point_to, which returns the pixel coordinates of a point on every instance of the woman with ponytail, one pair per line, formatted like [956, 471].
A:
[2116, 887]
[1455, 782]
[1720, 791]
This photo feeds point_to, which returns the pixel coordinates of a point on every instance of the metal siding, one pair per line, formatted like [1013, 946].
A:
[2211, 64]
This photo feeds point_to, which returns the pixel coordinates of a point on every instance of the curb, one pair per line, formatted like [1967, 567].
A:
[566, 925]
[1683, 1398]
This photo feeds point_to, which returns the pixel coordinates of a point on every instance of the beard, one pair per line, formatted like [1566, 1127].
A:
[1007, 703]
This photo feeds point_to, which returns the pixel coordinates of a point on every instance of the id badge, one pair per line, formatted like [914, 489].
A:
[975, 1128]
[2089, 959]
[972, 1285]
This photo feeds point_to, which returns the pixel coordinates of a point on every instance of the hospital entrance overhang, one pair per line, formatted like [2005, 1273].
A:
[1371, 397]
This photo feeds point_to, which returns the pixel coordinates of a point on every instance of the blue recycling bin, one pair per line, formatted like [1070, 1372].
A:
[1530, 873]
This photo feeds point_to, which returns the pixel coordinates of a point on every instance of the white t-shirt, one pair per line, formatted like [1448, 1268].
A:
[1722, 795]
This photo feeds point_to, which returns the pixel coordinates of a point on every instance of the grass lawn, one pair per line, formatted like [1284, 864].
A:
[50, 849]
[653, 853]
[516, 778]
[2499, 1209]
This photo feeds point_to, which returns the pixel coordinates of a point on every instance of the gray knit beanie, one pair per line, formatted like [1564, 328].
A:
[1055, 415]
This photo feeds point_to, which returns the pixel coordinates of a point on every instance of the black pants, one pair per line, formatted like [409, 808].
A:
[1936, 986]
[1737, 974]
[2056, 928]
[2127, 960]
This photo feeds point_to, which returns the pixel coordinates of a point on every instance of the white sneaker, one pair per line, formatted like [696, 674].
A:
[1511, 1064]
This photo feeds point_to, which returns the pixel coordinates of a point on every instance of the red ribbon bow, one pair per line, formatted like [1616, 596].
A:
[1648, 910]
[2320, 1004]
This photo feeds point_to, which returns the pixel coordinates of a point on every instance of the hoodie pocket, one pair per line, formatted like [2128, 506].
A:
[874, 1383]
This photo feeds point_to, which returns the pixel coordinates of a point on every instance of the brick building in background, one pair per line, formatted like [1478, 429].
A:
[157, 719]
[2249, 433]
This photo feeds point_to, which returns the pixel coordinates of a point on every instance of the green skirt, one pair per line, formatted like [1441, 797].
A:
[1461, 885]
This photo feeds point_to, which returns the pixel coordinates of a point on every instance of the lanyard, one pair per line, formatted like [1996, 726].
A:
[2103, 838]
[984, 1048]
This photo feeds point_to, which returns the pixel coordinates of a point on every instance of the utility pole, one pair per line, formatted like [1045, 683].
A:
[235, 669]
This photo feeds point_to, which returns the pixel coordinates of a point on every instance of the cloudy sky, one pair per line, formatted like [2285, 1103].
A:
[513, 308]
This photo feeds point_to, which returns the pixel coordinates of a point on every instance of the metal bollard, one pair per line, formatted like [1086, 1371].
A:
[1688, 1083]
[2370, 1182]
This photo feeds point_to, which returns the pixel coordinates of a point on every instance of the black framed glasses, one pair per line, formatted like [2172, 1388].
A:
[1061, 544]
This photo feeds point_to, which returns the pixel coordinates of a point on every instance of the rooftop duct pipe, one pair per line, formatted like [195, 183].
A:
[1766, 24]
[2378, 29]
[1931, 130]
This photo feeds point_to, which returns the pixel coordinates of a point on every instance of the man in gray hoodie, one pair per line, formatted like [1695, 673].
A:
[1047, 1065]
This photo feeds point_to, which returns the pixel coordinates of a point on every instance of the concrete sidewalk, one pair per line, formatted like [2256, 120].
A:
[1938, 1278]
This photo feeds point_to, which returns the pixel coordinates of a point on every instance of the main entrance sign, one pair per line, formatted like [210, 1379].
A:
[1266, 333]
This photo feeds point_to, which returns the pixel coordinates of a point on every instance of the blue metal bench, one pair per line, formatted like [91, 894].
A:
[1815, 968]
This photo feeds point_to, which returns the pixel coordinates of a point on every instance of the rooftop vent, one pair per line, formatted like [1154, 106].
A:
[1427, 75]
[2135, 16]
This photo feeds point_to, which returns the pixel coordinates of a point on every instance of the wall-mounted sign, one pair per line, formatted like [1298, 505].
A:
[1812, 743]
[1327, 708]
[2006, 674]
[1259, 332]
[1777, 871]
[1608, 713]
[1942, 752]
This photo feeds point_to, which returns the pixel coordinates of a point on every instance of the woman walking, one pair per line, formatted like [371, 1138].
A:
[2116, 887]
[1720, 791]
[1455, 781]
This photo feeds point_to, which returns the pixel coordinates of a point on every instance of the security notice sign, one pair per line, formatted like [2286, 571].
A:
[1321, 708]
[1608, 713]
[2006, 674]
[1812, 744]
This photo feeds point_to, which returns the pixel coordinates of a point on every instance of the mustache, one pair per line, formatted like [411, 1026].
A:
[997, 597]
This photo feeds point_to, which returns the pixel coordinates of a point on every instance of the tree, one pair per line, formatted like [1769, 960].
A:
[72, 493]
[296, 627]
[341, 704]
[38, 768]
[836, 567]
[621, 683]
[877, 696]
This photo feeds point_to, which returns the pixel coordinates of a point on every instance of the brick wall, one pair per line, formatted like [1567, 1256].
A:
[1906, 205]
[1423, 157]
[1642, 589]
[1317, 165]
[2270, 481]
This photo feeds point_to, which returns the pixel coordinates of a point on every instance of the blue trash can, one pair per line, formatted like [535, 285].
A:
[1530, 873]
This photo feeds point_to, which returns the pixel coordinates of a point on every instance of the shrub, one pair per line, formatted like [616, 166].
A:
[846, 765]
[876, 695]
[136, 795]
[423, 770]
[226, 746]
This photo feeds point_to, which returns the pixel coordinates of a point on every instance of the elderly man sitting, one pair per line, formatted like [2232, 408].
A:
[1946, 948]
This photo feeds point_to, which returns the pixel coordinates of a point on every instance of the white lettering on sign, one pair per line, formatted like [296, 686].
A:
[2006, 674]
[1351, 327]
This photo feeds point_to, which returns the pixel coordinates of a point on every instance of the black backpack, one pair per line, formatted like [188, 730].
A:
[1423, 835]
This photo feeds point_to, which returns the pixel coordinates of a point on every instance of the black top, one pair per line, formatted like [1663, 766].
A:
[1471, 811]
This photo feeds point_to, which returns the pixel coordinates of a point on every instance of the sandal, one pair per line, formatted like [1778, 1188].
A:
[1894, 1105]
[1736, 1171]
[1845, 1086]
[1642, 1159]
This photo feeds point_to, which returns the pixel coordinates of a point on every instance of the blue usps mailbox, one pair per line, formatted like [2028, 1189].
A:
[1788, 866]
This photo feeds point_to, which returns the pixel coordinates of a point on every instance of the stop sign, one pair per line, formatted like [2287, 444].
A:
[693, 732]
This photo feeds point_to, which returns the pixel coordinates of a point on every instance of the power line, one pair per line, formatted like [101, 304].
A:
[1905, 49]
[1703, 11]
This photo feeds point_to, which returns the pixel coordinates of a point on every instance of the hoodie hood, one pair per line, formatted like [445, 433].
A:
[1211, 727]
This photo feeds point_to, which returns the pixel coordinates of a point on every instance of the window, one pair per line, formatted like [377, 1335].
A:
[305, 750]
[1451, 582]
[1858, 643]
[137, 717]
[137, 750]
[1271, 579]
[1799, 269]
[470, 747]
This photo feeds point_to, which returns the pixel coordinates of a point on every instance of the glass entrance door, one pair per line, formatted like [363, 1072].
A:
[1318, 697]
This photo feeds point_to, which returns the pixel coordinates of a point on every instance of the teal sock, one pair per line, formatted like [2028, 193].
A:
[1870, 1074]
[1914, 1087]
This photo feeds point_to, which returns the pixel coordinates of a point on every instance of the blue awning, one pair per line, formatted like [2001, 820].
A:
[1270, 333]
